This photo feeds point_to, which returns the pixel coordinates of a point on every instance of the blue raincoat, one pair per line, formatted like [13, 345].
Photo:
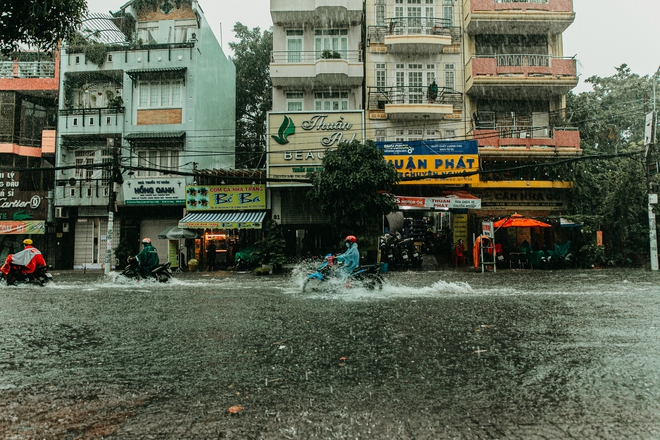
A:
[350, 258]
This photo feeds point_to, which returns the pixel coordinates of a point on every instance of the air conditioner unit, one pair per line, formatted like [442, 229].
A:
[61, 212]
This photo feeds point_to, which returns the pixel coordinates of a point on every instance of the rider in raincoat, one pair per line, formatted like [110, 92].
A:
[350, 258]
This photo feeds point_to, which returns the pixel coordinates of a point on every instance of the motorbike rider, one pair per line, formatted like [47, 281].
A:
[350, 258]
[147, 258]
[29, 259]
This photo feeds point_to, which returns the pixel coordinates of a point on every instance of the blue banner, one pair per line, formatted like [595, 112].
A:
[426, 148]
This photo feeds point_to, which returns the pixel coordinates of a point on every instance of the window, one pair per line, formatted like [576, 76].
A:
[381, 76]
[450, 134]
[106, 157]
[415, 135]
[381, 135]
[75, 122]
[183, 33]
[91, 121]
[84, 157]
[380, 15]
[160, 159]
[294, 101]
[294, 45]
[329, 101]
[148, 33]
[109, 57]
[333, 40]
[450, 76]
[155, 94]
[448, 11]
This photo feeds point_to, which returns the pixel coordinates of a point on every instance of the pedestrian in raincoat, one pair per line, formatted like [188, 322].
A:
[147, 258]
[350, 258]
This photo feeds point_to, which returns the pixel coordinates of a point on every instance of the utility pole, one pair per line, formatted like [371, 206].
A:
[112, 198]
[649, 143]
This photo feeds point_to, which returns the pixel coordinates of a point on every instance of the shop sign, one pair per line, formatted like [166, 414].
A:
[19, 209]
[223, 225]
[298, 141]
[440, 203]
[24, 227]
[154, 191]
[225, 197]
[523, 199]
[433, 162]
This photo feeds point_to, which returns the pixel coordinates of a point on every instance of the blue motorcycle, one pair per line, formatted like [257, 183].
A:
[367, 276]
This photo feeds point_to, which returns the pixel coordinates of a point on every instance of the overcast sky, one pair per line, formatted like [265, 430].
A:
[605, 34]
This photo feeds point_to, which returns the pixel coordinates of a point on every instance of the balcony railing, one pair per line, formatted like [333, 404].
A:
[27, 69]
[511, 60]
[540, 2]
[92, 113]
[309, 57]
[380, 96]
[413, 26]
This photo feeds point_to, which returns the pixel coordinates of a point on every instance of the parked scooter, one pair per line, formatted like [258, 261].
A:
[398, 252]
[162, 272]
[40, 276]
[367, 276]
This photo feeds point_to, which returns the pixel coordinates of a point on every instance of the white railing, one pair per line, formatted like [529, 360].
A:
[516, 60]
[294, 57]
[27, 69]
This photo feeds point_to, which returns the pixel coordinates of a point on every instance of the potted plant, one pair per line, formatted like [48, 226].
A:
[270, 251]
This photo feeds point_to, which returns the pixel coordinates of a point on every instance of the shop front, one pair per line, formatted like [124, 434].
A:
[23, 214]
[227, 218]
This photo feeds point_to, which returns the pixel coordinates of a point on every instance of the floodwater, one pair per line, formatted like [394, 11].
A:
[433, 355]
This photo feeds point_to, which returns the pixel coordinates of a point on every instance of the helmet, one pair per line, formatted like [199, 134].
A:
[146, 241]
[351, 238]
[27, 241]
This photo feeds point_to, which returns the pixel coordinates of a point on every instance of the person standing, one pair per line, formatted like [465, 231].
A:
[210, 255]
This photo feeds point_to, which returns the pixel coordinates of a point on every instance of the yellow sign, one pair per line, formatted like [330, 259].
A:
[225, 197]
[421, 170]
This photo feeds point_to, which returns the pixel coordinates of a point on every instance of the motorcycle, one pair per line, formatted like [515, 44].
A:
[399, 252]
[40, 276]
[162, 272]
[367, 276]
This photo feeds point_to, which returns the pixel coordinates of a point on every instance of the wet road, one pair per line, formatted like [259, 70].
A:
[445, 354]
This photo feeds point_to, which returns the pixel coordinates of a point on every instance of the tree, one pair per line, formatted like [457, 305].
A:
[39, 24]
[354, 186]
[611, 193]
[253, 94]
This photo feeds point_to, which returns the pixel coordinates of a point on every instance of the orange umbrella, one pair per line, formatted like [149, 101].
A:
[518, 221]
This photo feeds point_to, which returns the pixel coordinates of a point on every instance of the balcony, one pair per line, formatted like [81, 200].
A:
[91, 121]
[85, 191]
[27, 69]
[524, 76]
[414, 35]
[527, 141]
[316, 12]
[412, 103]
[299, 69]
[518, 16]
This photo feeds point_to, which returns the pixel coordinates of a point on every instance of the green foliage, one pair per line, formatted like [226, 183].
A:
[270, 250]
[611, 120]
[329, 54]
[125, 22]
[123, 251]
[96, 53]
[253, 94]
[41, 24]
[353, 188]
[152, 5]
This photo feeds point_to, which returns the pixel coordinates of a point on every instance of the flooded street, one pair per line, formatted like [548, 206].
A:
[442, 354]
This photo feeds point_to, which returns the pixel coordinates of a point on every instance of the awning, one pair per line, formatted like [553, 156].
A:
[223, 220]
[158, 73]
[157, 138]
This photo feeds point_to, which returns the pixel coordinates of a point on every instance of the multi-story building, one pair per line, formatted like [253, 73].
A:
[516, 80]
[28, 118]
[137, 107]
[317, 72]
[501, 81]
